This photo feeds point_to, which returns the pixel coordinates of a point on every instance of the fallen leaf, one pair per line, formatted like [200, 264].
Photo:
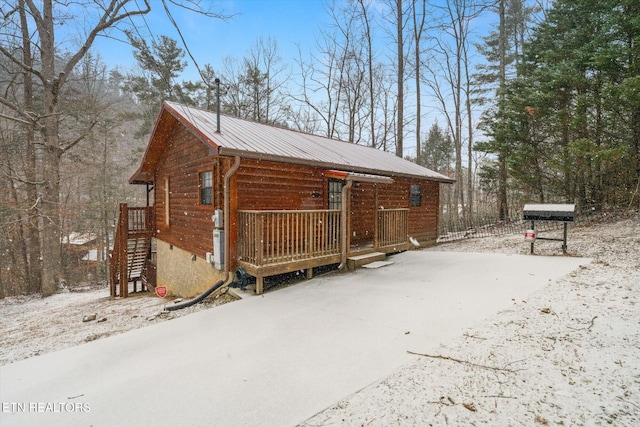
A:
[470, 406]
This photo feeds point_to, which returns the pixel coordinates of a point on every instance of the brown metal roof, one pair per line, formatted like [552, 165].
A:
[248, 139]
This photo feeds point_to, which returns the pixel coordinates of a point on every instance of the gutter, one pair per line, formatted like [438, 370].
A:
[254, 155]
[227, 220]
[346, 190]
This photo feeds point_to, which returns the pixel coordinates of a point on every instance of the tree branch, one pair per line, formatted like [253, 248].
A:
[80, 138]
[26, 118]
[15, 119]
[198, 9]
[110, 17]
[19, 63]
[465, 362]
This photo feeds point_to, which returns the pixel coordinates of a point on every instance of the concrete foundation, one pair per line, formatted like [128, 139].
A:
[184, 274]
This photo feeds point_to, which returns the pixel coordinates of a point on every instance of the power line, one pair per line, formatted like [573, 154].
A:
[166, 79]
[184, 42]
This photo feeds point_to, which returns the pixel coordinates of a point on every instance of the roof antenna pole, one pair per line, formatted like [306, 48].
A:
[217, 81]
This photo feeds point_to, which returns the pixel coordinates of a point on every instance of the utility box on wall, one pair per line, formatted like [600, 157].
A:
[218, 239]
[217, 218]
[218, 248]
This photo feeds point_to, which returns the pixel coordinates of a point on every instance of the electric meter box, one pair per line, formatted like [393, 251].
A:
[218, 248]
[218, 218]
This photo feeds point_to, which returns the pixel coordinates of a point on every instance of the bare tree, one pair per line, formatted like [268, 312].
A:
[264, 56]
[450, 82]
[419, 20]
[331, 80]
[368, 36]
[400, 69]
[52, 72]
[36, 51]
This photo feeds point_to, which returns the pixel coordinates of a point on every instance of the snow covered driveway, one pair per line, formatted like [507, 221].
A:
[275, 359]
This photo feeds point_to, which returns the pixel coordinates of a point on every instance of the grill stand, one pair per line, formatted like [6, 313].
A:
[563, 240]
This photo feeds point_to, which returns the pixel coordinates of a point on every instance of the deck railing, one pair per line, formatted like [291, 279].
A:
[272, 237]
[393, 227]
[139, 219]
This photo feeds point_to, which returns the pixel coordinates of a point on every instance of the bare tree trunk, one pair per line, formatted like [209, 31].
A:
[372, 115]
[32, 242]
[400, 127]
[470, 186]
[418, 28]
[503, 209]
[50, 233]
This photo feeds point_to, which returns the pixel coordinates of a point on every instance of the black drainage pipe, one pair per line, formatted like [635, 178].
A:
[196, 300]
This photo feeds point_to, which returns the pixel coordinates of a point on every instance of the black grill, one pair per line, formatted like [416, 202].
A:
[549, 212]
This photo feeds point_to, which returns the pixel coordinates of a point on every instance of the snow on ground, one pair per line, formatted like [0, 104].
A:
[567, 355]
[31, 325]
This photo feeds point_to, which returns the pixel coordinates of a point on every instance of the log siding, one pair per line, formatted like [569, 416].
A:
[267, 185]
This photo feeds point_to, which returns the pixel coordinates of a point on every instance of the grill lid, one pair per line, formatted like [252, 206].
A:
[549, 212]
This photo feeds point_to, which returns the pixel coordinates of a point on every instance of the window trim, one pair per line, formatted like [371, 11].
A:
[415, 197]
[167, 201]
[336, 201]
[200, 188]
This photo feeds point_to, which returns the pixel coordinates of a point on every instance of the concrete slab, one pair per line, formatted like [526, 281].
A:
[275, 359]
[377, 264]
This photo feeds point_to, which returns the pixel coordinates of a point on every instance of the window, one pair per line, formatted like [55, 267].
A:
[416, 195]
[206, 188]
[335, 194]
[166, 201]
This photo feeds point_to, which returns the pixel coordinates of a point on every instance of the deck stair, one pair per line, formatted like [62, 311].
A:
[137, 253]
[129, 259]
[357, 261]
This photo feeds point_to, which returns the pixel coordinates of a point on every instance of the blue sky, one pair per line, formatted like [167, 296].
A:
[289, 22]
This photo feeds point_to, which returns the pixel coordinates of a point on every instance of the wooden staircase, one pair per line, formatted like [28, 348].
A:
[130, 258]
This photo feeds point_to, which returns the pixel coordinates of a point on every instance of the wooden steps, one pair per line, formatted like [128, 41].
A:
[357, 261]
[137, 251]
[130, 254]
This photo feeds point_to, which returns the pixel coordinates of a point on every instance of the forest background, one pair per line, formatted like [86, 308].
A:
[542, 106]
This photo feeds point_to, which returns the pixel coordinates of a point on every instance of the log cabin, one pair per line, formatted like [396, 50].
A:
[233, 195]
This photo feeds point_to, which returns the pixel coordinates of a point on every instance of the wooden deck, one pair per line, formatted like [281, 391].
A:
[276, 242]
[269, 243]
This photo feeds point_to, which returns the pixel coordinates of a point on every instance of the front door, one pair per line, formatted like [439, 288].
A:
[363, 211]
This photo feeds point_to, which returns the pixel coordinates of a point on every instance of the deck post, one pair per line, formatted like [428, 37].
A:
[310, 273]
[259, 284]
[345, 221]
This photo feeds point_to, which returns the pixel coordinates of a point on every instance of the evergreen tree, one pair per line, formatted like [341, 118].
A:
[437, 150]
[161, 64]
[568, 126]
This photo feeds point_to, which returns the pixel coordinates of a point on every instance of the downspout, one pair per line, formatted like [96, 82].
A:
[344, 222]
[227, 244]
[227, 210]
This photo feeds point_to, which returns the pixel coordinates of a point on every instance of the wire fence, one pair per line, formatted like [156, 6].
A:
[487, 225]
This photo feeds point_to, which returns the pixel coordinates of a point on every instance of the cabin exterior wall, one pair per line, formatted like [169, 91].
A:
[187, 231]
